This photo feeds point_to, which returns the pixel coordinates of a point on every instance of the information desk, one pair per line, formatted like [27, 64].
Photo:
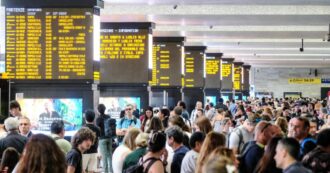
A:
[49, 43]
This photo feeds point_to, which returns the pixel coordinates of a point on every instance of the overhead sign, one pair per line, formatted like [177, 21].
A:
[304, 80]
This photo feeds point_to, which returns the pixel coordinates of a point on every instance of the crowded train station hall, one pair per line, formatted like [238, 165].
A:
[164, 86]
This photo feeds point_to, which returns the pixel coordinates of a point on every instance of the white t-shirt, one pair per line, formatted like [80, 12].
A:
[118, 158]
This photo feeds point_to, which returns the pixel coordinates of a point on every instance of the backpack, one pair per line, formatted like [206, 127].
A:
[240, 140]
[241, 157]
[110, 128]
[138, 168]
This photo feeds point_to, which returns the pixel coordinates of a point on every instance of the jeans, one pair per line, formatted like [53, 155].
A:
[106, 151]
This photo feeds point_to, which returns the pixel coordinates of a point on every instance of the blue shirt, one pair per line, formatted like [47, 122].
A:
[125, 122]
[177, 159]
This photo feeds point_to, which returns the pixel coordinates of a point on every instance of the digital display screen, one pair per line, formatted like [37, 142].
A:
[227, 75]
[246, 78]
[244, 98]
[124, 55]
[166, 63]
[237, 77]
[114, 105]
[225, 98]
[212, 79]
[211, 99]
[194, 68]
[49, 43]
[42, 112]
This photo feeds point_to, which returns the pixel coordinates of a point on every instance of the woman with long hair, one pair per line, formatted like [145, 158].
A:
[156, 125]
[123, 150]
[9, 159]
[203, 124]
[41, 155]
[267, 163]
[146, 118]
[211, 142]
[163, 115]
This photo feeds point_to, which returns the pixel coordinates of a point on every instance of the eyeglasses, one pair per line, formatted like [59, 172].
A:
[128, 109]
[265, 127]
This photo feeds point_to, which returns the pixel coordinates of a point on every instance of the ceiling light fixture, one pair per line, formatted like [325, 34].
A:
[302, 45]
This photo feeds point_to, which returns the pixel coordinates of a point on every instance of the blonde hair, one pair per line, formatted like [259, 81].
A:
[142, 139]
[219, 165]
[211, 142]
[129, 139]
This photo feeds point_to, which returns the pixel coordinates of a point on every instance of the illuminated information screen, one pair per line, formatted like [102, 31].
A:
[166, 61]
[194, 68]
[226, 73]
[246, 77]
[237, 77]
[124, 55]
[212, 72]
[49, 43]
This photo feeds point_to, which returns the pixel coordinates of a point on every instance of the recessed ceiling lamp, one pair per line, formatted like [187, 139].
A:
[302, 45]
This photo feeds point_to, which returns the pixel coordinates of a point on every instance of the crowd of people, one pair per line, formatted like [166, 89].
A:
[255, 136]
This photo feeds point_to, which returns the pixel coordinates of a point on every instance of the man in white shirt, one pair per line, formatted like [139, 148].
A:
[189, 161]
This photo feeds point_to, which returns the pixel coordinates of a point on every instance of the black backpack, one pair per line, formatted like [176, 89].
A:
[110, 128]
[138, 168]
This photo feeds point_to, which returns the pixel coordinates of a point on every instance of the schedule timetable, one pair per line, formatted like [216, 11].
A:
[194, 66]
[166, 69]
[49, 43]
[213, 70]
[125, 52]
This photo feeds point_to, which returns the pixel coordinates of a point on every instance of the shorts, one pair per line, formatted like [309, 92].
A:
[90, 162]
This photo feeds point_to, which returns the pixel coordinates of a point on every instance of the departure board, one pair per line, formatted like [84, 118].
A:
[49, 43]
[212, 79]
[194, 68]
[124, 54]
[246, 78]
[167, 57]
[227, 74]
[237, 77]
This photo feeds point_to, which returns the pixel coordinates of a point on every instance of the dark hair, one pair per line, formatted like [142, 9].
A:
[156, 125]
[196, 137]
[42, 155]
[175, 132]
[57, 126]
[166, 112]
[14, 104]
[220, 100]
[89, 116]
[323, 138]
[292, 146]
[182, 104]
[101, 108]
[267, 159]
[82, 134]
[157, 142]
[10, 157]
[149, 108]
[305, 121]
[177, 110]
